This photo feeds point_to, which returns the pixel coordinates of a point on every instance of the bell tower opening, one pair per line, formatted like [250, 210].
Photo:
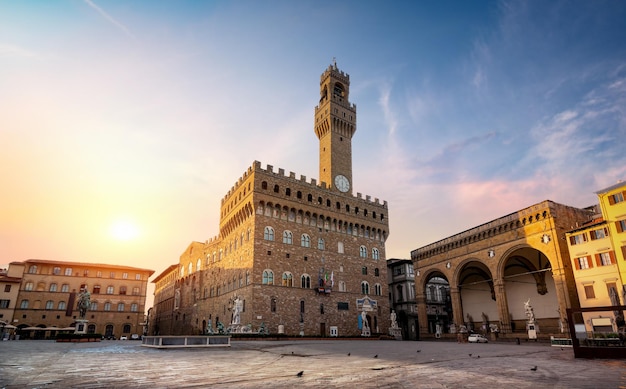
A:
[335, 124]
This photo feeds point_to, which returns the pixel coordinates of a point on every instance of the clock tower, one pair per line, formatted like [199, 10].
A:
[335, 123]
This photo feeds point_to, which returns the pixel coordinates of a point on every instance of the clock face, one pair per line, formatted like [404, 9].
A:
[342, 183]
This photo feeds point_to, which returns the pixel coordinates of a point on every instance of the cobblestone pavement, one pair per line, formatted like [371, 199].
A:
[324, 363]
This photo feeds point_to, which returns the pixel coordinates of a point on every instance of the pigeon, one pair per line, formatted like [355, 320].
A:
[470, 354]
[419, 351]
[533, 368]
[300, 374]
[477, 356]
[348, 354]
[292, 353]
[376, 356]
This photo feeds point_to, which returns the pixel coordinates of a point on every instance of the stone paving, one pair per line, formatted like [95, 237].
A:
[324, 363]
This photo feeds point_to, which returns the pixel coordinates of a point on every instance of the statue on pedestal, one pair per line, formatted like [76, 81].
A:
[84, 303]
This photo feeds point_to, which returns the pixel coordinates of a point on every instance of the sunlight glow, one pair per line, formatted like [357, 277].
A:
[124, 230]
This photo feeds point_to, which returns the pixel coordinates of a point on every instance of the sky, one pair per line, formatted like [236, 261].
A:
[123, 124]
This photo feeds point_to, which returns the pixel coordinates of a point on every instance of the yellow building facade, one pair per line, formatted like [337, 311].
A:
[597, 256]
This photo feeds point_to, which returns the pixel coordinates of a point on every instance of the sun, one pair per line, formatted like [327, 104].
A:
[124, 230]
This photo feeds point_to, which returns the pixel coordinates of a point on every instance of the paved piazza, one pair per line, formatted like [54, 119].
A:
[325, 363]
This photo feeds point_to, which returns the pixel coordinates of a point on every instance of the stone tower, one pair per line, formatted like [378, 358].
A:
[335, 124]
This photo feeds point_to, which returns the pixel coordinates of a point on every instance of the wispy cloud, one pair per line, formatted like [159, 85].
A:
[390, 117]
[110, 18]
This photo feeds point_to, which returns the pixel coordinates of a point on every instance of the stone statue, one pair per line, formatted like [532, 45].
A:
[237, 308]
[394, 323]
[364, 320]
[84, 302]
[530, 314]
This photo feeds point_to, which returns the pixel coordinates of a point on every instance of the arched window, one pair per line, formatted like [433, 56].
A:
[120, 307]
[305, 240]
[365, 287]
[305, 281]
[94, 306]
[53, 287]
[24, 304]
[190, 267]
[375, 254]
[107, 306]
[29, 286]
[198, 264]
[376, 272]
[110, 289]
[126, 328]
[49, 304]
[287, 279]
[378, 290]
[276, 189]
[268, 234]
[61, 305]
[268, 277]
[32, 269]
[320, 244]
[363, 252]
[287, 237]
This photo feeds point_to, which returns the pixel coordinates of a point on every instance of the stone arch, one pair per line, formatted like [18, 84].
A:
[477, 294]
[526, 273]
[435, 287]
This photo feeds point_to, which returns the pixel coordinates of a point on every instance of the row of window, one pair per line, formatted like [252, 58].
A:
[217, 255]
[611, 287]
[599, 233]
[601, 259]
[305, 241]
[320, 201]
[323, 281]
[33, 269]
[62, 305]
[65, 288]
[314, 220]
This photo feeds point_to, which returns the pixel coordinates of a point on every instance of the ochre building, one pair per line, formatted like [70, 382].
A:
[486, 276]
[293, 255]
[47, 295]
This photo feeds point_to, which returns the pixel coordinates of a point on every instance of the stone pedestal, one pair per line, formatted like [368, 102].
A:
[396, 333]
[81, 326]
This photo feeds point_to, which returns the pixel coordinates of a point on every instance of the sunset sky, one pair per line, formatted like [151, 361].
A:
[123, 123]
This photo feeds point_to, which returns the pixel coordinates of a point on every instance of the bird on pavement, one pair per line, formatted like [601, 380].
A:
[477, 356]
[376, 356]
[300, 374]
[348, 354]
[533, 368]
[419, 351]
[470, 354]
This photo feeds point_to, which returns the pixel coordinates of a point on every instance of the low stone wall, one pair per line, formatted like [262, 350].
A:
[189, 341]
